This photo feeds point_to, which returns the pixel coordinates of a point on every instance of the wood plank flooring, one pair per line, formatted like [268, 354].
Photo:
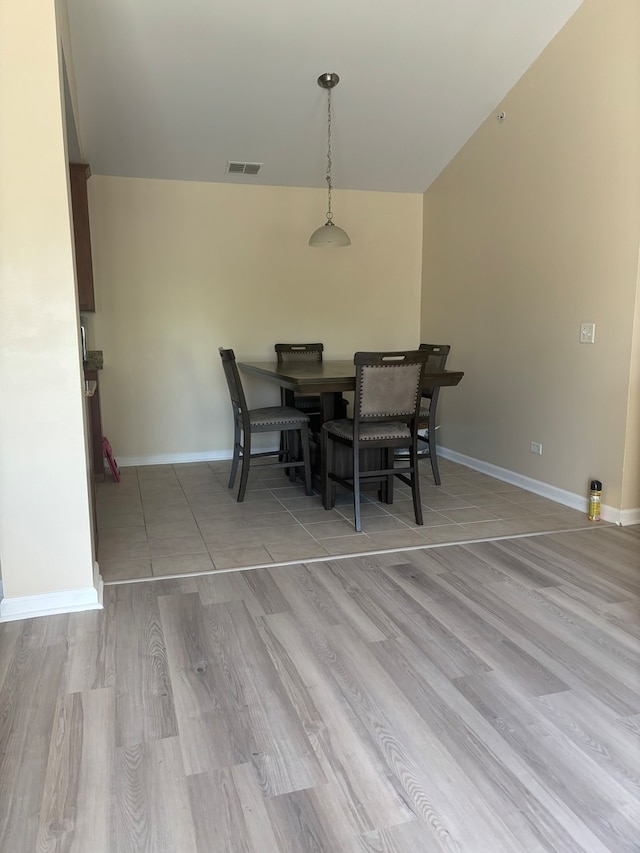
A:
[479, 697]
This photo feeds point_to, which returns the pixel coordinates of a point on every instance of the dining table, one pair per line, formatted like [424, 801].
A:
[329, 379]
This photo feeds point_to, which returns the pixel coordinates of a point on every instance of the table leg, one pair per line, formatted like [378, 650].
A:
[332, 406]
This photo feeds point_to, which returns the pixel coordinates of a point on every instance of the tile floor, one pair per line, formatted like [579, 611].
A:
[164, 520]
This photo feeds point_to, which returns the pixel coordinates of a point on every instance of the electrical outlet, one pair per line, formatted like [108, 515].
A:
[536, 447]
[587, 333]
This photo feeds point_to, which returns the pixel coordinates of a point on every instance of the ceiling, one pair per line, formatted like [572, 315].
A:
[175, 89]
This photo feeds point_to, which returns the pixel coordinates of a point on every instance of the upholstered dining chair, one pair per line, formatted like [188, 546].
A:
[427, 442]
[299, 352]
[309, 353]
[246, 422]
[308, 403]
[386, 409]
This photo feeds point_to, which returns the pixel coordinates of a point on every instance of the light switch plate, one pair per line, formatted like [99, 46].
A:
[587, 333]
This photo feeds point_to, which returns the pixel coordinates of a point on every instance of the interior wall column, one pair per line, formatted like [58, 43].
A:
[46, 548]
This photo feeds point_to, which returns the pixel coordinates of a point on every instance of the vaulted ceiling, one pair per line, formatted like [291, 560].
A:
[175, 89]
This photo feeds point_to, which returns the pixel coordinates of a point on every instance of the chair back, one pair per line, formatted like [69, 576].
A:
[388, 385]
[298, 352]
[236, 391]
[437, 359]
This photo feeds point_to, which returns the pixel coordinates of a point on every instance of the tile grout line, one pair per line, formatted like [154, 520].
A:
[351, 556]
[459, 478]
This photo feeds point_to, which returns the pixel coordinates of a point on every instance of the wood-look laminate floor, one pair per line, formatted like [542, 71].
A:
[478, 697]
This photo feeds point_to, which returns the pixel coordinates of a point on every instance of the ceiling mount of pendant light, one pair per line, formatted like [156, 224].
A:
[329, 235]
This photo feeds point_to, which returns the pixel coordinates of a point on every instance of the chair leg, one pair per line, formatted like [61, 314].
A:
[356, 489]
[415, 484]
[328, 499]
[289, 450]
[385, 492]
[283, 434]
[236, 454]
[291, 443]
[246, 463]
[433, 455]
[306, 456]
[388, 463]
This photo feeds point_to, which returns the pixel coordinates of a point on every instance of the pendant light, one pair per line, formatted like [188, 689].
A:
[329, 235]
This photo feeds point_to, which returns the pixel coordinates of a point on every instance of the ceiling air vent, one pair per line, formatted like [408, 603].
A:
[236, 168]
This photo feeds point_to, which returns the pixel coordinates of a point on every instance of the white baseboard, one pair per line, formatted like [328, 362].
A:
[630, 516]
[174, 458]
[570, 499]
[51, 603]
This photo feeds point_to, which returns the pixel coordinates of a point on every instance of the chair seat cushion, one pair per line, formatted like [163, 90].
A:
[277, 415]
[369, 431]
[424, 414]
[308, 401]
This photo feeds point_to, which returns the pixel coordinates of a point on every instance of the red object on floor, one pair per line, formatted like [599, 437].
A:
[113, 465]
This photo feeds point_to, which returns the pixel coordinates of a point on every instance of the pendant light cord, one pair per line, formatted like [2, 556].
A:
[328, 178]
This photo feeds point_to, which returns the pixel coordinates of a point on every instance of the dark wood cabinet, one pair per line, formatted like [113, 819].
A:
[79, 175]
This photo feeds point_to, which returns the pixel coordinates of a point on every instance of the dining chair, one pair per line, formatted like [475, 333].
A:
[386, 409]
[309, 353]
[246, 422]
[308, 403]
[437, 359]
[299, 352]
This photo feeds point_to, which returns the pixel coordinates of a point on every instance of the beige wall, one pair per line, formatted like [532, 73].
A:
[184, 268]
[531, 230]
[45, 531]
[631, 474]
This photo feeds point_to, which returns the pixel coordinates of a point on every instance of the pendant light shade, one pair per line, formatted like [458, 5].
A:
[329, 235]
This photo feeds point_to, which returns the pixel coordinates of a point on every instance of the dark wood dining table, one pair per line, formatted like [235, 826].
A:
[329, 379]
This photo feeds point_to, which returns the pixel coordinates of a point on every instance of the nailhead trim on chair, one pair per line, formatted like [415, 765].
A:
[371, 432]
[300, 355]
[375, 368]
[284, 415]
